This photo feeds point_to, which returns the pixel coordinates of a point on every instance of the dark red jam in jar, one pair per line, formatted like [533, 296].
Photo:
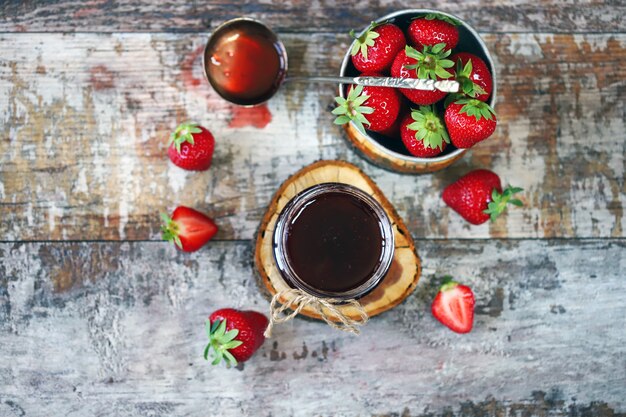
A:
[333, 240]
[245, 62]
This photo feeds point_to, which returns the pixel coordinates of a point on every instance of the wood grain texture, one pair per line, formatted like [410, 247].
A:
[113, 329]
[302, 15]
[404, 271]
[83, 138]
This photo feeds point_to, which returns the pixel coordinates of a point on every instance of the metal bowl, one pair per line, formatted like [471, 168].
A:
[388, 152]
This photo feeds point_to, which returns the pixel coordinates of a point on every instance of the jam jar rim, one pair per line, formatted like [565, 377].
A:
[279, 240]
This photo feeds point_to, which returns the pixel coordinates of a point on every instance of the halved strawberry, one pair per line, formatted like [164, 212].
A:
[187, 228]
[376, 48]
[454, 307]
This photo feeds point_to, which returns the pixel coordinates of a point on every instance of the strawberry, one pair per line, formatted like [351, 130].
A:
[453, 306]
[376, 48]
[234, 335]
[473, 75]
[187, 228]
[433, 29]
[429, 64]
[191, 147]
[478, 197]
[469, 121]
[380, 104]
[423, 133]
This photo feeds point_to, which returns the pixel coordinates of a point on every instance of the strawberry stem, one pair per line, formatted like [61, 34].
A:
[431, 62]
[499, 202]
[447, 283]
[170, 230]
[352, 109]
[184, 133]
[437, 16]
[476, 108]
[220, 342]
[362, 42]
[428, 127]
[463, 74]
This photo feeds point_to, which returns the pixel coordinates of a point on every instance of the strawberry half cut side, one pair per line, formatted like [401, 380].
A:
[187, 228]
[221, 342]
[454, 306]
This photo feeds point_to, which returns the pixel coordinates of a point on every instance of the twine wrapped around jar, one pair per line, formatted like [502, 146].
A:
[298, 299]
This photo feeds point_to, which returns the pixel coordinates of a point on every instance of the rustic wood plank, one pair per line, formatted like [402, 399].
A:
[117, 329]
[303, 16]
[82, 149]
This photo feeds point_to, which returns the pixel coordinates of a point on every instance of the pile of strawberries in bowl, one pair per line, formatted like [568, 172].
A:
[417, 124]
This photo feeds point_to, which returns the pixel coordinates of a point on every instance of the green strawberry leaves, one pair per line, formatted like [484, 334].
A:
[428, 127]
[499, 201]
[463, 74]
[352, 109]
[221, 341]
[169, 230]
[184, 133]
[364, 41]
[431, 62]
[447, 19]
[476, 108]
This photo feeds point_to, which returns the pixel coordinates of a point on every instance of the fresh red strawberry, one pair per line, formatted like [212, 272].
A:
[376, 48]
[191, 147]
[478, 197]
[423, 133]
[469, 121]
[429, 64]
[380, 104]
[433, 29]
[187, 228]
[454, 307]
[473, 75]
[234, 335]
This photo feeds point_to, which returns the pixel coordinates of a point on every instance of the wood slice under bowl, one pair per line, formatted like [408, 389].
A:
[405, 269]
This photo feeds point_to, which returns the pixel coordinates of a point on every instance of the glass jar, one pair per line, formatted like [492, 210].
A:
[333, 240]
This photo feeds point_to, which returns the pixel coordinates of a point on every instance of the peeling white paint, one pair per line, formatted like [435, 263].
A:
[80, 186]
[595, 43]
[176, 177]
[53, 213]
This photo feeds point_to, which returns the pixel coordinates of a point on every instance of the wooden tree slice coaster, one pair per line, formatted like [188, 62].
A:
[405, 269]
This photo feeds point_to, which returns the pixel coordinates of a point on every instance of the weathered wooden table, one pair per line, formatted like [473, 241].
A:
[99, 317]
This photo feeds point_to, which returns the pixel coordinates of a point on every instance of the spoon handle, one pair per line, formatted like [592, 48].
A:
[447, 86]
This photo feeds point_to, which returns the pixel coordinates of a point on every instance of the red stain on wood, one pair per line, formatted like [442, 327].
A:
[87, 11]
[187, 67]
[101, 78]
[258, 116]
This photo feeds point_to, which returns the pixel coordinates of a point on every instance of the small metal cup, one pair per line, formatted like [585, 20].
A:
[242, 22]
